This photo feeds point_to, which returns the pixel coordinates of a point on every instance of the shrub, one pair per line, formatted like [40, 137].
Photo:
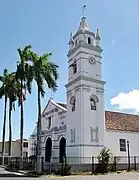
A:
[103, 161]
[67, 169]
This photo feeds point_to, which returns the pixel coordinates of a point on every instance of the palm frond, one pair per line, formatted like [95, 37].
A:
[51, 82]
[46, 56]
[20, 53]
[26, 48]
[54, 68]
[1, 78]
[5, 72]
[2, 92]
[33, 56]
[29, 78]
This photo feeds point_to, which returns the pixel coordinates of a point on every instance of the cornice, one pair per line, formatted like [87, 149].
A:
[86, 79]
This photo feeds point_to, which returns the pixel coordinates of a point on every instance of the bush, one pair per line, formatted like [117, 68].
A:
[67, 169]
[103, 161]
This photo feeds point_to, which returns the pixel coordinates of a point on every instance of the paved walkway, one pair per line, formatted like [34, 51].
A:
[125, 176]
[5, 175]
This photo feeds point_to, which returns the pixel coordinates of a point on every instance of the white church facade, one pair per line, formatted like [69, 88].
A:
[82, 127]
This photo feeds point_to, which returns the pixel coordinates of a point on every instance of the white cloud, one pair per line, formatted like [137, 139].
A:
[127, 101]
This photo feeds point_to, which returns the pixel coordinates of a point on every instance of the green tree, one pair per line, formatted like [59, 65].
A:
[5, 89]
[21, 77]
[42, 70]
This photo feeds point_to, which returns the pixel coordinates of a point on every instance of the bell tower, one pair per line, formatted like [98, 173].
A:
[85, 93]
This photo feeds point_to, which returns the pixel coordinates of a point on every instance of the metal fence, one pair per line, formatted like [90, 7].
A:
[90, 164]
[14, 162]
[82, 164]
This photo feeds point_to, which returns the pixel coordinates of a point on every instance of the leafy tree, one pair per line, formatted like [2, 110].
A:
[42, 70]
[21, 77]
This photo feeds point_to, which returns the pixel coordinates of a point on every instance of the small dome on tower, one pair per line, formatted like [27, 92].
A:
[83, 25]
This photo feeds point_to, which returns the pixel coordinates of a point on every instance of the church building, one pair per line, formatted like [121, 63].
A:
[82, 127]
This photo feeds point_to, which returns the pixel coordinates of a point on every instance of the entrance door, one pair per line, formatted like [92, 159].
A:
[62, 148]
[48, 150]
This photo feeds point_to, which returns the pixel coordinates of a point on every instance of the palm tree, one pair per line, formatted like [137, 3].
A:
[12, 96]
[21, 77]
[42, 70]
[4, 92]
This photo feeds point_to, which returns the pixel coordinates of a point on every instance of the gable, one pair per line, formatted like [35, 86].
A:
[49, 109]
[52, 107]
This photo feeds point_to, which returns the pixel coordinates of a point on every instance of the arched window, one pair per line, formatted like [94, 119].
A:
[93, 101]
[92, 104]
[76, 42]
[72, 102]
[74, 67]
[89, 40]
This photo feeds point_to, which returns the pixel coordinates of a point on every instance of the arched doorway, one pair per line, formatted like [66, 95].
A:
[48, 150]
[62, 148]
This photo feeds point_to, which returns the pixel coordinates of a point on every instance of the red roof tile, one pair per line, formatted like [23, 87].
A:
[121, 121]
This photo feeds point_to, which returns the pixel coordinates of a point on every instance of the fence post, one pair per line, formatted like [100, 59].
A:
[93, 170]
[115, 164]
[128, 155]
[128, 163]
[135, 163]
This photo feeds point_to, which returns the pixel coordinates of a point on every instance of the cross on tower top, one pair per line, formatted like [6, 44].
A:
[83, 10]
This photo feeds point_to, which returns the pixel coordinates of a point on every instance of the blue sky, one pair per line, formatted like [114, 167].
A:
[46, 26]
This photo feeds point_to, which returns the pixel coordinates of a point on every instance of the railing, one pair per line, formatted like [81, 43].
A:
[90, 164]
[86, 164]
[14, 162]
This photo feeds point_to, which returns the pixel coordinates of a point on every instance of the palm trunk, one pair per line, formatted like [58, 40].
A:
[38, 153]
[21, 127]
[10, 129]
[4, 126]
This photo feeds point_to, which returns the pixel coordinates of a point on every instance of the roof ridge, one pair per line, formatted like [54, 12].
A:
[119, 112]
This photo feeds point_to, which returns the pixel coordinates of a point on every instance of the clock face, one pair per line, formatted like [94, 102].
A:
[92, 60]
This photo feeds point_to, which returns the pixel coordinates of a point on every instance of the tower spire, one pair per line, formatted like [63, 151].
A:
[98, 38]
[83, 10]
[71, 42]
[83, 24]
[97, 34]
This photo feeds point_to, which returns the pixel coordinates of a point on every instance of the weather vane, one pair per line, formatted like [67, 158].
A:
[83, 10]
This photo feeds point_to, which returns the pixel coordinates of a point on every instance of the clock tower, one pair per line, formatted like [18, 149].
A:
[85, 94]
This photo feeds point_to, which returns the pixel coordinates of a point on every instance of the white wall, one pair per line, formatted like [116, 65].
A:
[112, 142]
